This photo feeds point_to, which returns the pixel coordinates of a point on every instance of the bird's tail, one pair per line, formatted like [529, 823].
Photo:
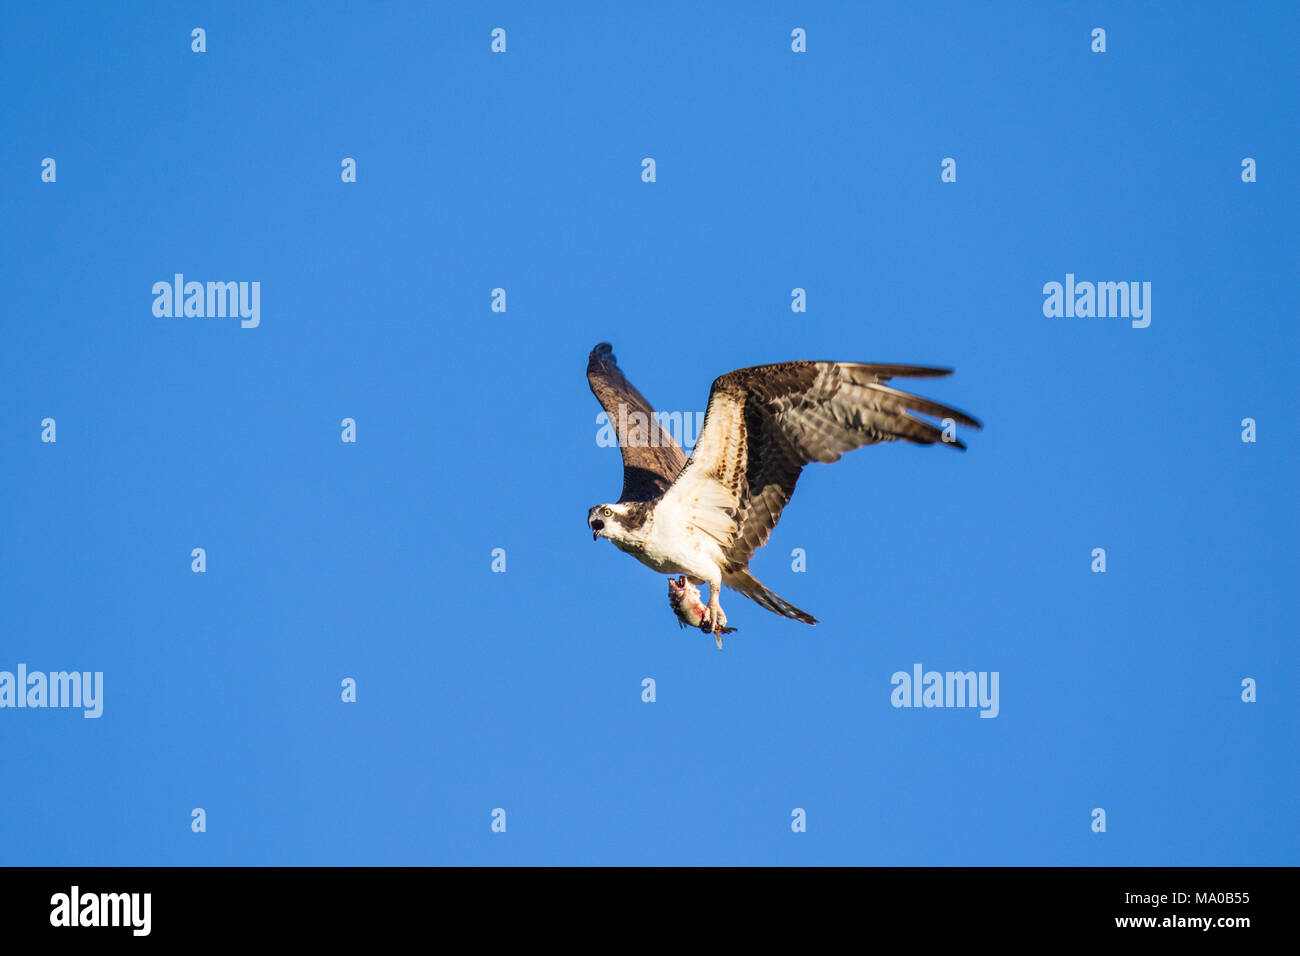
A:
[752, 588]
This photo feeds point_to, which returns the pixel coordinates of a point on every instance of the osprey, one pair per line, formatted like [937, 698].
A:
[704, 518]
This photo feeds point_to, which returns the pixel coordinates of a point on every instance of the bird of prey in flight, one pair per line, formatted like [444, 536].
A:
[704, 518]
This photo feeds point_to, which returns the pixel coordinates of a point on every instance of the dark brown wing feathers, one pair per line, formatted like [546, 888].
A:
[800, 412]
[652, 460]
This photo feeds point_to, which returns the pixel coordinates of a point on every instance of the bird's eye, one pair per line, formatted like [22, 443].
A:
[608, 513]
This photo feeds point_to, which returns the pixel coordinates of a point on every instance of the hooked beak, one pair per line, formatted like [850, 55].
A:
[596, 528]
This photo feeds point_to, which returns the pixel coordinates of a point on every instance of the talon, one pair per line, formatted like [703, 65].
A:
[717, 620]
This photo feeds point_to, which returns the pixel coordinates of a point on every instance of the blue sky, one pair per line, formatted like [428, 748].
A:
[475, 430]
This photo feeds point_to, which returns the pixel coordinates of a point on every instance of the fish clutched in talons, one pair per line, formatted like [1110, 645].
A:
[684, 599]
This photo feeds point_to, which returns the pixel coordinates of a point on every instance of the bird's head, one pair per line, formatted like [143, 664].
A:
[608, 521]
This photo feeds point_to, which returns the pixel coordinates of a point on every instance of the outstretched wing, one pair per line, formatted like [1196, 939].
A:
[652, 460]
[765, 423]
